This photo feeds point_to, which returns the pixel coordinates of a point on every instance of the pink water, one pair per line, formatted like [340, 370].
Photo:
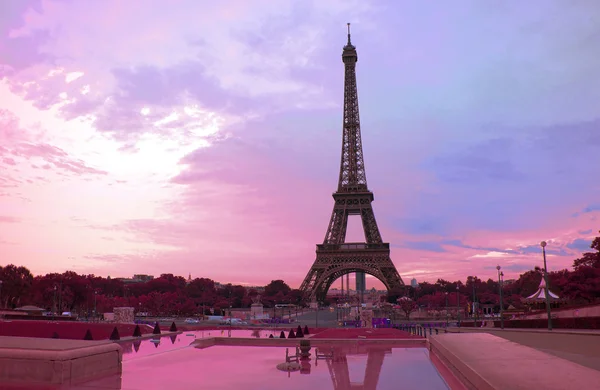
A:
[174, 364]
[158, 345]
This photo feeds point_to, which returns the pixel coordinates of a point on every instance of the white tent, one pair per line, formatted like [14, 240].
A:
[540, 294]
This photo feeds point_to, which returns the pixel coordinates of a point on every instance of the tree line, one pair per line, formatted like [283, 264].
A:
[173, 295]
[579, 285]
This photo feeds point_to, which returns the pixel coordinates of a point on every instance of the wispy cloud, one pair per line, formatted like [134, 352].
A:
[8, 219]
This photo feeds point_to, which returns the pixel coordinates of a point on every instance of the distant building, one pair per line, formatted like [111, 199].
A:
[257, 288]
[361, 282]
[139, 278]
[335, 292]
[413, 283]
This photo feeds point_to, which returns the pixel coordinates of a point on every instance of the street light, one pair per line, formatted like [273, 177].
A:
[54, 308]
[447, 315]
[0, 294]
[547, 292]
[60, 301]
[95, 313]
[500, 275]
[457, 306]
[474, 309]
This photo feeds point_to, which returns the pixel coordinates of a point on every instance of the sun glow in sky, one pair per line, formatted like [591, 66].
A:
[204, 137]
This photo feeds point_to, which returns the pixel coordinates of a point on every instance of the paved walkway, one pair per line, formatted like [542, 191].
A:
[487, 362]
[581, 346]
[324, 319]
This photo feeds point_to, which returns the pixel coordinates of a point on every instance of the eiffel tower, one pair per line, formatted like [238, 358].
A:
[335, 257]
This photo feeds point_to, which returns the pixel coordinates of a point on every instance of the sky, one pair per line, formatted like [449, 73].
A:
[204, 137]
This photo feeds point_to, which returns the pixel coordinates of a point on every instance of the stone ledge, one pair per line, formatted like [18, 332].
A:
[56, 361]
[486, 362]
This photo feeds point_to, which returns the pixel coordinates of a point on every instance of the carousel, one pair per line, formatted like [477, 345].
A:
[537, 300]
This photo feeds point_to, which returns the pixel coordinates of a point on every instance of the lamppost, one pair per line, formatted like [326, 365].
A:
[54, 308]
[547, 291]
[457, 306]
[500, 276]
[358, 314]
[447, 314]
[474, 301]
[95, 314]
[87, 302]
[60, 297]
[127, 296]
[1, 294]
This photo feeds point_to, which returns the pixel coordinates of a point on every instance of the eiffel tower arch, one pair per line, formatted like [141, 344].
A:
[336, 257]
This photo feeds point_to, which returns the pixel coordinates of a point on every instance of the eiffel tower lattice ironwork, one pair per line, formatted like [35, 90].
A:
[335, 257]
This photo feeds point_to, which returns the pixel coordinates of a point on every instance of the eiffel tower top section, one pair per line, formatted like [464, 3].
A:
[353, 178]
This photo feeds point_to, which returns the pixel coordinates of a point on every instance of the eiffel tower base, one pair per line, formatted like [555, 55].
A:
[334, 261]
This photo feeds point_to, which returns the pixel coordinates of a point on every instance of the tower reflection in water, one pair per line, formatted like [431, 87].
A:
[336, 359]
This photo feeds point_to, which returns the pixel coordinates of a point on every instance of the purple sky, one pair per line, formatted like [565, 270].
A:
[204, 137]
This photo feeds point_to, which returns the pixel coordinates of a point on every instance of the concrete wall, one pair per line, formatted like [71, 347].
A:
[585, 311]
[29, 361]
[123, 315]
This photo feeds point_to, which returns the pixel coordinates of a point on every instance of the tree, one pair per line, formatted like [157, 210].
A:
[295, 296]
[167, 283]
[435, 300]
[583, 285]
[239, 293]
[16, 285]
[202, 290]
[527, 283]
[513, 299]
[394, 294]
[75, 290]
[443, 285]
[589, 259]
[275, 287]
[424, 289]
[407, 305]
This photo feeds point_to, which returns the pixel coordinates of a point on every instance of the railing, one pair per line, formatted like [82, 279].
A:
[352, 246]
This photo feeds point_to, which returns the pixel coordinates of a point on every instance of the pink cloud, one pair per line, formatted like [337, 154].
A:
[9, 161]
[21, 144]
[8, 219]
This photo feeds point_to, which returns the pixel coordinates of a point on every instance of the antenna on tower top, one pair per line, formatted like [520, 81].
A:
[348, 33]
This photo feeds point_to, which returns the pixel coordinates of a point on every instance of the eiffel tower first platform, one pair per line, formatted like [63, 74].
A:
[335, 257]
